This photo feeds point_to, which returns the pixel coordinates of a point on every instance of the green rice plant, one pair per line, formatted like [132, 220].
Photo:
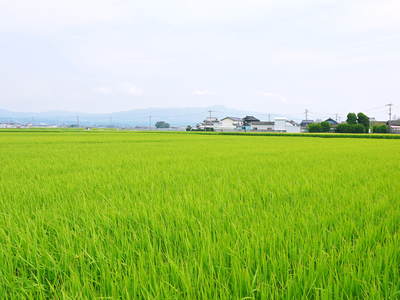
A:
[109, 214]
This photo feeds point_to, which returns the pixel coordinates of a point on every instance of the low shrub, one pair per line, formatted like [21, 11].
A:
[380, 129]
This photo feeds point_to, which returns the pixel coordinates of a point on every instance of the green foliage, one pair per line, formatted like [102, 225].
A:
[350, 128]
[364, 120]
[326, 127]
[351, 118]
[344, 128]
[120, 215]
[188, 128]
[162, 124]
[319, 127]
[314, 127]
[380, 129]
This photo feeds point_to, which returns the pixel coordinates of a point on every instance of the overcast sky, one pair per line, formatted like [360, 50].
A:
[277, 56]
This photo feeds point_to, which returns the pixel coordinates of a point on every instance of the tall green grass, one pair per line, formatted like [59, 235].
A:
[173, 216]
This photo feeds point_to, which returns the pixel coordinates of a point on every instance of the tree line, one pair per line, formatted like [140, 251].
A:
[355, 123]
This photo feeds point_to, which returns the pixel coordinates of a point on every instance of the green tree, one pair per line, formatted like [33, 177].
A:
[343, 128]
[358, 128]
[364, 120]
[351, 118]
[162, 124]
[314, 127]
[350, 128]
[325, 126]
[380, 129]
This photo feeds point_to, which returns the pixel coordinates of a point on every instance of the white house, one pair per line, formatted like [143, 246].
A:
[210, 123]
[284, 125]
[230, 123]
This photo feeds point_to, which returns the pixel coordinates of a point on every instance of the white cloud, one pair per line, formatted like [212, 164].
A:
[103, 90]
[29, 14]
[50, 15]
[40, 14]
[202, 93]
[135, 91]
[130, 89]
[122, 88]
[279, 97]
[365, 15]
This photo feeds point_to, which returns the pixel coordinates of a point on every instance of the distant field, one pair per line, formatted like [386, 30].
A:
[189, 216]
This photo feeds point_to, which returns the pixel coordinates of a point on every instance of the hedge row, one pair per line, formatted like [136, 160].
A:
[320, 135]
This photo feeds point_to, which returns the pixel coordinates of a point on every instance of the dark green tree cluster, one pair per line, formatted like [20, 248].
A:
[162, 124]
[355, 124]
[350, 128]
[380, 129]
[319, 127]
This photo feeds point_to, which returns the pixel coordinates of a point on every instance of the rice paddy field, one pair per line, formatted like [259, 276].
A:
[124, 215]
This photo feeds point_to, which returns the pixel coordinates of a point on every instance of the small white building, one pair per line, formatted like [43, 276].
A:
[210, 123]
[284, 125]
[230, 123]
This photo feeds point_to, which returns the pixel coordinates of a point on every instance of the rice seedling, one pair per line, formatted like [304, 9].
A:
[190, 216]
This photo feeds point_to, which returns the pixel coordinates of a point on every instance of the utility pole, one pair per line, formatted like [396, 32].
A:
[390, 105]
[336, 117]
[210, 112]
[269, 117]
[149, 122]
[306, 113]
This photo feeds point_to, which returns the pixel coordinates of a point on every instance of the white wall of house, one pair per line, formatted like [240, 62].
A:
[280, 124]
[262, 127]
[292, 129]
[283, 125]
[229, 124]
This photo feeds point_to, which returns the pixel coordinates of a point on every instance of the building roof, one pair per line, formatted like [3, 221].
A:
[250, 119]
[331, 121]
[293, 123]
[304, 123]
[262, 123]
[211, 119]
[232, 118]
[208, 123]
[394, 123]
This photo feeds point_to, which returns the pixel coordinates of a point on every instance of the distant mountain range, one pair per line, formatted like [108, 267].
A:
[136, 117]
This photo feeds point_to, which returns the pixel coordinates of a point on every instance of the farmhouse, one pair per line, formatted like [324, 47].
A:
[305, 123]
[331, 122]
[247, 120]
[209, 124]
[230, 123]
